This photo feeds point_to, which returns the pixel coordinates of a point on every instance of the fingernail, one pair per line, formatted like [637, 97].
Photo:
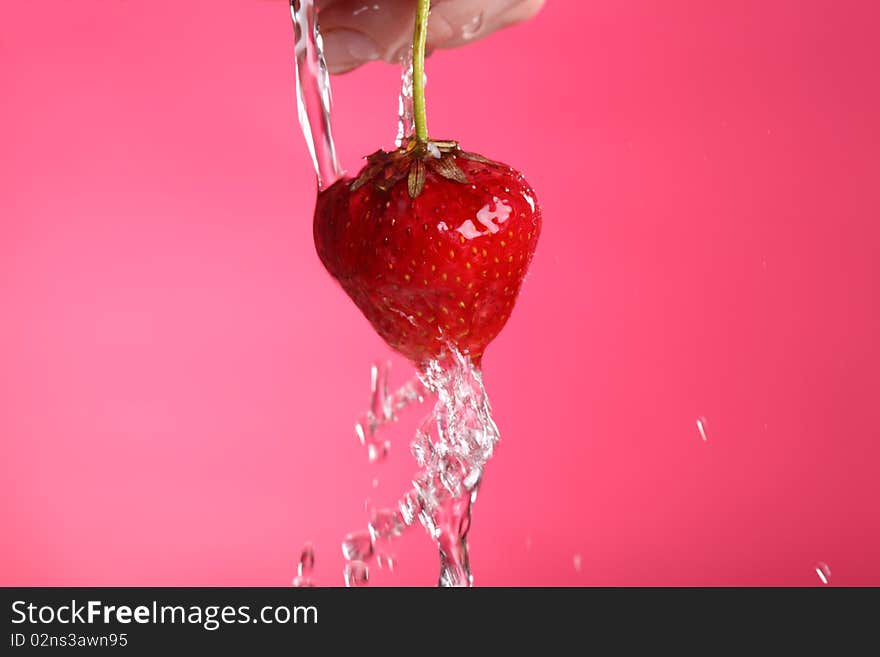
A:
[344, 47]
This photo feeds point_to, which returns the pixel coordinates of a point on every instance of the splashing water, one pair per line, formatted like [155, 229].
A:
[313, 92]
[455, 448]
[455, 441]
[452, 446]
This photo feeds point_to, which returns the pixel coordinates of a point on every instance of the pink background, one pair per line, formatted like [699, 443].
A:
[179, 377]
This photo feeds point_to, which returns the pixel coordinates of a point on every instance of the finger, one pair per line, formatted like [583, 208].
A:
[469, 20]
[359, 31]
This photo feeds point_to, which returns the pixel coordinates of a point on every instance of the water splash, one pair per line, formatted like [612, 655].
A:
[452, 446]
[313, 95]
[456, 447]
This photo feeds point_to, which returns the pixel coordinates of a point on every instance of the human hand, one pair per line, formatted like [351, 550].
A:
[359, 31]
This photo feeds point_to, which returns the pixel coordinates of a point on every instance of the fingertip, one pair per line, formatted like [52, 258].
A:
[346, 49]
[472, 20]
[358, 31]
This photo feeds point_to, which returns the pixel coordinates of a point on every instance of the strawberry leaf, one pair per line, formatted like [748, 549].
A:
[416, 181]
[476, 157]
[447, 167]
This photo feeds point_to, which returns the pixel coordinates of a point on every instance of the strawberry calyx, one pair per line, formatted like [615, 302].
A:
[412, 161]
[419, 154]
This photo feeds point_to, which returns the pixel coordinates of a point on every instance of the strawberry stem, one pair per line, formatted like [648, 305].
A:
[420, 35]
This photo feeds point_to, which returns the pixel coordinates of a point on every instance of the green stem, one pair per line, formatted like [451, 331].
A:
[420, 35]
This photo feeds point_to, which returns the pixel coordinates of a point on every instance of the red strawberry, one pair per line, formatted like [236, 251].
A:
[432, 244]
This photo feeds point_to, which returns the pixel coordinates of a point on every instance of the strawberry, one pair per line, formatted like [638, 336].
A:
[431, 243]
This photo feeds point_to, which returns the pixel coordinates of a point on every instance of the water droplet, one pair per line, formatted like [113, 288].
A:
[472, 27]
[356, 573]
[379, 401]
[302, 582]
[378, 452]
[824, 572]
[386, 523]
[375, 482]
[357, 546]
[528, 543]
[386, 561]
[410, 392]
[701, 427]
[577, 560]
[306, 560]
[361, 10]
